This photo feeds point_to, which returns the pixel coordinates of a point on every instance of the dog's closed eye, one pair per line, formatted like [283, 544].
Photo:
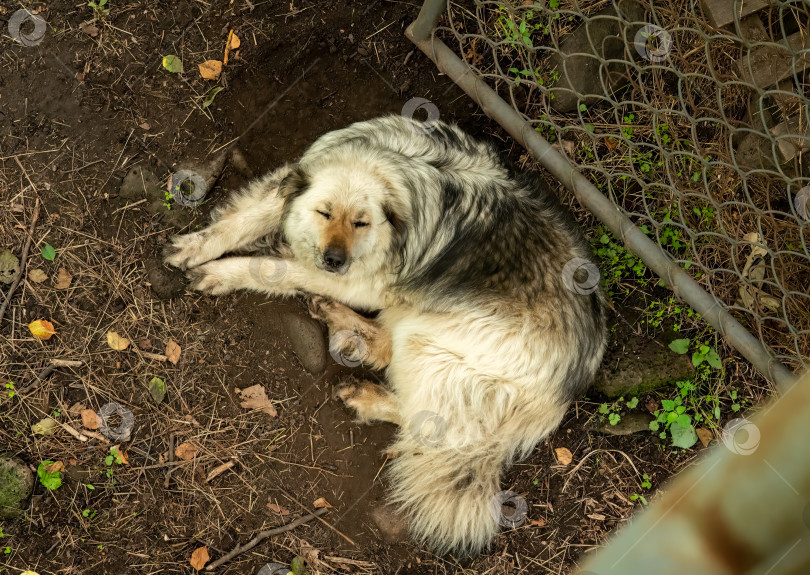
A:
[325, 214]
[360, 224]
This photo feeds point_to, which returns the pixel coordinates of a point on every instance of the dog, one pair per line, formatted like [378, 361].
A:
[491, 318]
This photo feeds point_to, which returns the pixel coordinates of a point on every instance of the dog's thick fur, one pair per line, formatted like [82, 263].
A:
[483, 340]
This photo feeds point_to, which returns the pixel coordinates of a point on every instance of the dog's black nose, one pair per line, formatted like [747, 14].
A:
[334, 257]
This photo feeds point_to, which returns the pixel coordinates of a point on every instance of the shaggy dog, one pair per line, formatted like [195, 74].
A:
[491, 320]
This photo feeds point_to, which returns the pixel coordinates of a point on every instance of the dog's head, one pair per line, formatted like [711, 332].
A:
[343, 213]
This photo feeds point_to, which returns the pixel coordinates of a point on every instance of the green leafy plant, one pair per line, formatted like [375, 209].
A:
[99, 9]
[114, 458]
[614, 410]
[672, 417]
[89, 513]
[10, 387]
[645, 484]
[50, 479]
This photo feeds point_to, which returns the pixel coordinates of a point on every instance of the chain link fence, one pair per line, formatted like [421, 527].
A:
[691, 116]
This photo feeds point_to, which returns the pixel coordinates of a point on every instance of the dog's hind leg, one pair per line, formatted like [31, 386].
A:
[352, 337]
[251, 214]
[371, 401]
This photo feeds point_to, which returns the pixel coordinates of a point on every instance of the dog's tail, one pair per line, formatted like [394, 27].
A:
[450, 496]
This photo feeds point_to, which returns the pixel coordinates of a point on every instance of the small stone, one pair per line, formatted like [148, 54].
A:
[362, 51]
[392, 526]
[308, 341]
[16, 485]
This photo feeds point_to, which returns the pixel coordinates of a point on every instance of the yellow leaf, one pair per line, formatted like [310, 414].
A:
[232, 44]
[55, 467]
[564, 455]
[29, 573]
[211, 69]
[173, 351]
[41, 329]
[199, 558]
[117, 342]
[44, 427]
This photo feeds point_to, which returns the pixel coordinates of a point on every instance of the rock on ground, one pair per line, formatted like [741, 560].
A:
[308, 341]
[16, 485]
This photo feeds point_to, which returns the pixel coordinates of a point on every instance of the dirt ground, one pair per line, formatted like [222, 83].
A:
[79, 111]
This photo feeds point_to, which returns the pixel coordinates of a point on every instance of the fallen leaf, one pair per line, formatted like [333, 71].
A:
[157, 389]
[48, 252]
[173, 351]
[44, 427]
[321, 502]
[90, 29]
[145, 126]
[276, 508]
[41, 329]
[90, 419]
[117, 342]
[255, 397]
[186, 451]
[76, 409]
[538, 522]
[704, 435]
[55, 467]
[232, 43]
[564, 455]
[652, 405]
[199, 558]
[36, 275]
[209, 97]
[9, 267]
[611, 143]
[29, 573]
[63, 279]
[173, 64]
[210, 69]
[597, 516]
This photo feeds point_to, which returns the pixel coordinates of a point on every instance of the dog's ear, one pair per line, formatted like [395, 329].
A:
[293, 184]
[400, 235]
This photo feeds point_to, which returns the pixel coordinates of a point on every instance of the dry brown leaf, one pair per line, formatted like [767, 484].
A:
[41, 329]
[145, 126]
[564, 455]
[55, 467]
[36, 275]
[211, 69]
[76, 409]
[255, 397]
[704, 435]
[597, 516]
[173, 351]
[538, 522]
[186, 451]
[199, 558]
[63, 279]
[90, 29]
[321, 502]
[90, 419]
[276, 508]
[117, 342]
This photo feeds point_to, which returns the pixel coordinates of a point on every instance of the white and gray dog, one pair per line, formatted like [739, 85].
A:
[487, 330]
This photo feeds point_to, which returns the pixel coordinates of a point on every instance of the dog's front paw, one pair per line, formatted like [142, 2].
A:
[210, 279]
[346, 391]
[186, 251]
[319, 307]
